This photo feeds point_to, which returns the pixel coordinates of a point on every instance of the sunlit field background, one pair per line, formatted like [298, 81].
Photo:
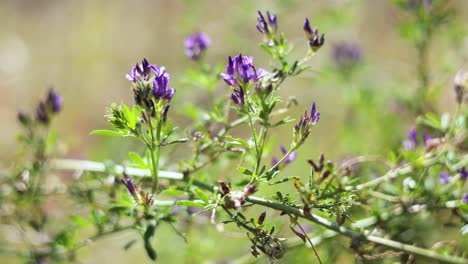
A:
[84, 49]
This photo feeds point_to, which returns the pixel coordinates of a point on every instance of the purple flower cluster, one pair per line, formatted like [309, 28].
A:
[240, 72]
[346, 54]
[303, 127]
[149, 79]
[412, 141]
[45, 109]
[196, 44]
[312, 35]
[268, 26]
[287, 160]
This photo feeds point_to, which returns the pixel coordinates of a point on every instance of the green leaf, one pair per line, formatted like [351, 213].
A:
[200, 194]
[130, 116]
[196, 203]
[172, 191]
[135, 157]
[108, 133]
[245, 171]
[237, 141]
[79, 221]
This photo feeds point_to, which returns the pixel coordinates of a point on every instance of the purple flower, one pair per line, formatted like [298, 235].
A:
[161, 85]
[303, 127]
[288, 159]
[465, 198]
[241, 71]
[463, 173]
[128, 183]
[238, 96]
[195, 44]
[142, 72]
[426, 138]
[412, 140]
[444, 178]
[291, 156]
[41, 113]
[346, 54]
[54, 101]
[312, 35]
[269, 25]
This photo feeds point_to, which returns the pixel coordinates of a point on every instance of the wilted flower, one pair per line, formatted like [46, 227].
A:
[196, 44]
[303, 127]
[463, 173]
[241, 71]
[444, 178]
[318, 167]
[459, 85]
[346, 55]
[268, 26]
[24, 118]
[312, 35]
[140, 197]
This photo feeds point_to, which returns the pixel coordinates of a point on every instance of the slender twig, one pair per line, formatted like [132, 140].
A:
[85, 165]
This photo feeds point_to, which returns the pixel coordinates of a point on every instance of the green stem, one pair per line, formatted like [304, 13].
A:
[355, 235]
[341, 229]
[254, 134]
[154, 148]
[279, 162]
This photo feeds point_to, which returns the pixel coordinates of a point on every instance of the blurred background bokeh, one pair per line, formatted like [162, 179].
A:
[84, 49]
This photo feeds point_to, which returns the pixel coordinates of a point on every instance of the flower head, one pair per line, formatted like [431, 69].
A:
[444, 178]
[130, 186]
[46, 109]
[41, 113]
[196, 44]
[346, 54]
[412, 140]
[54, 101]
[142, 72]
[312, 35]
[161, 90]
[463, 173]
[237, 96]
[303, 127]
[465, 198]
[269, 25]
[241, 71]
[290, 158]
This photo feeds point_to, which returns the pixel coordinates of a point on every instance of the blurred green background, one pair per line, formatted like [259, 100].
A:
[84, 49]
